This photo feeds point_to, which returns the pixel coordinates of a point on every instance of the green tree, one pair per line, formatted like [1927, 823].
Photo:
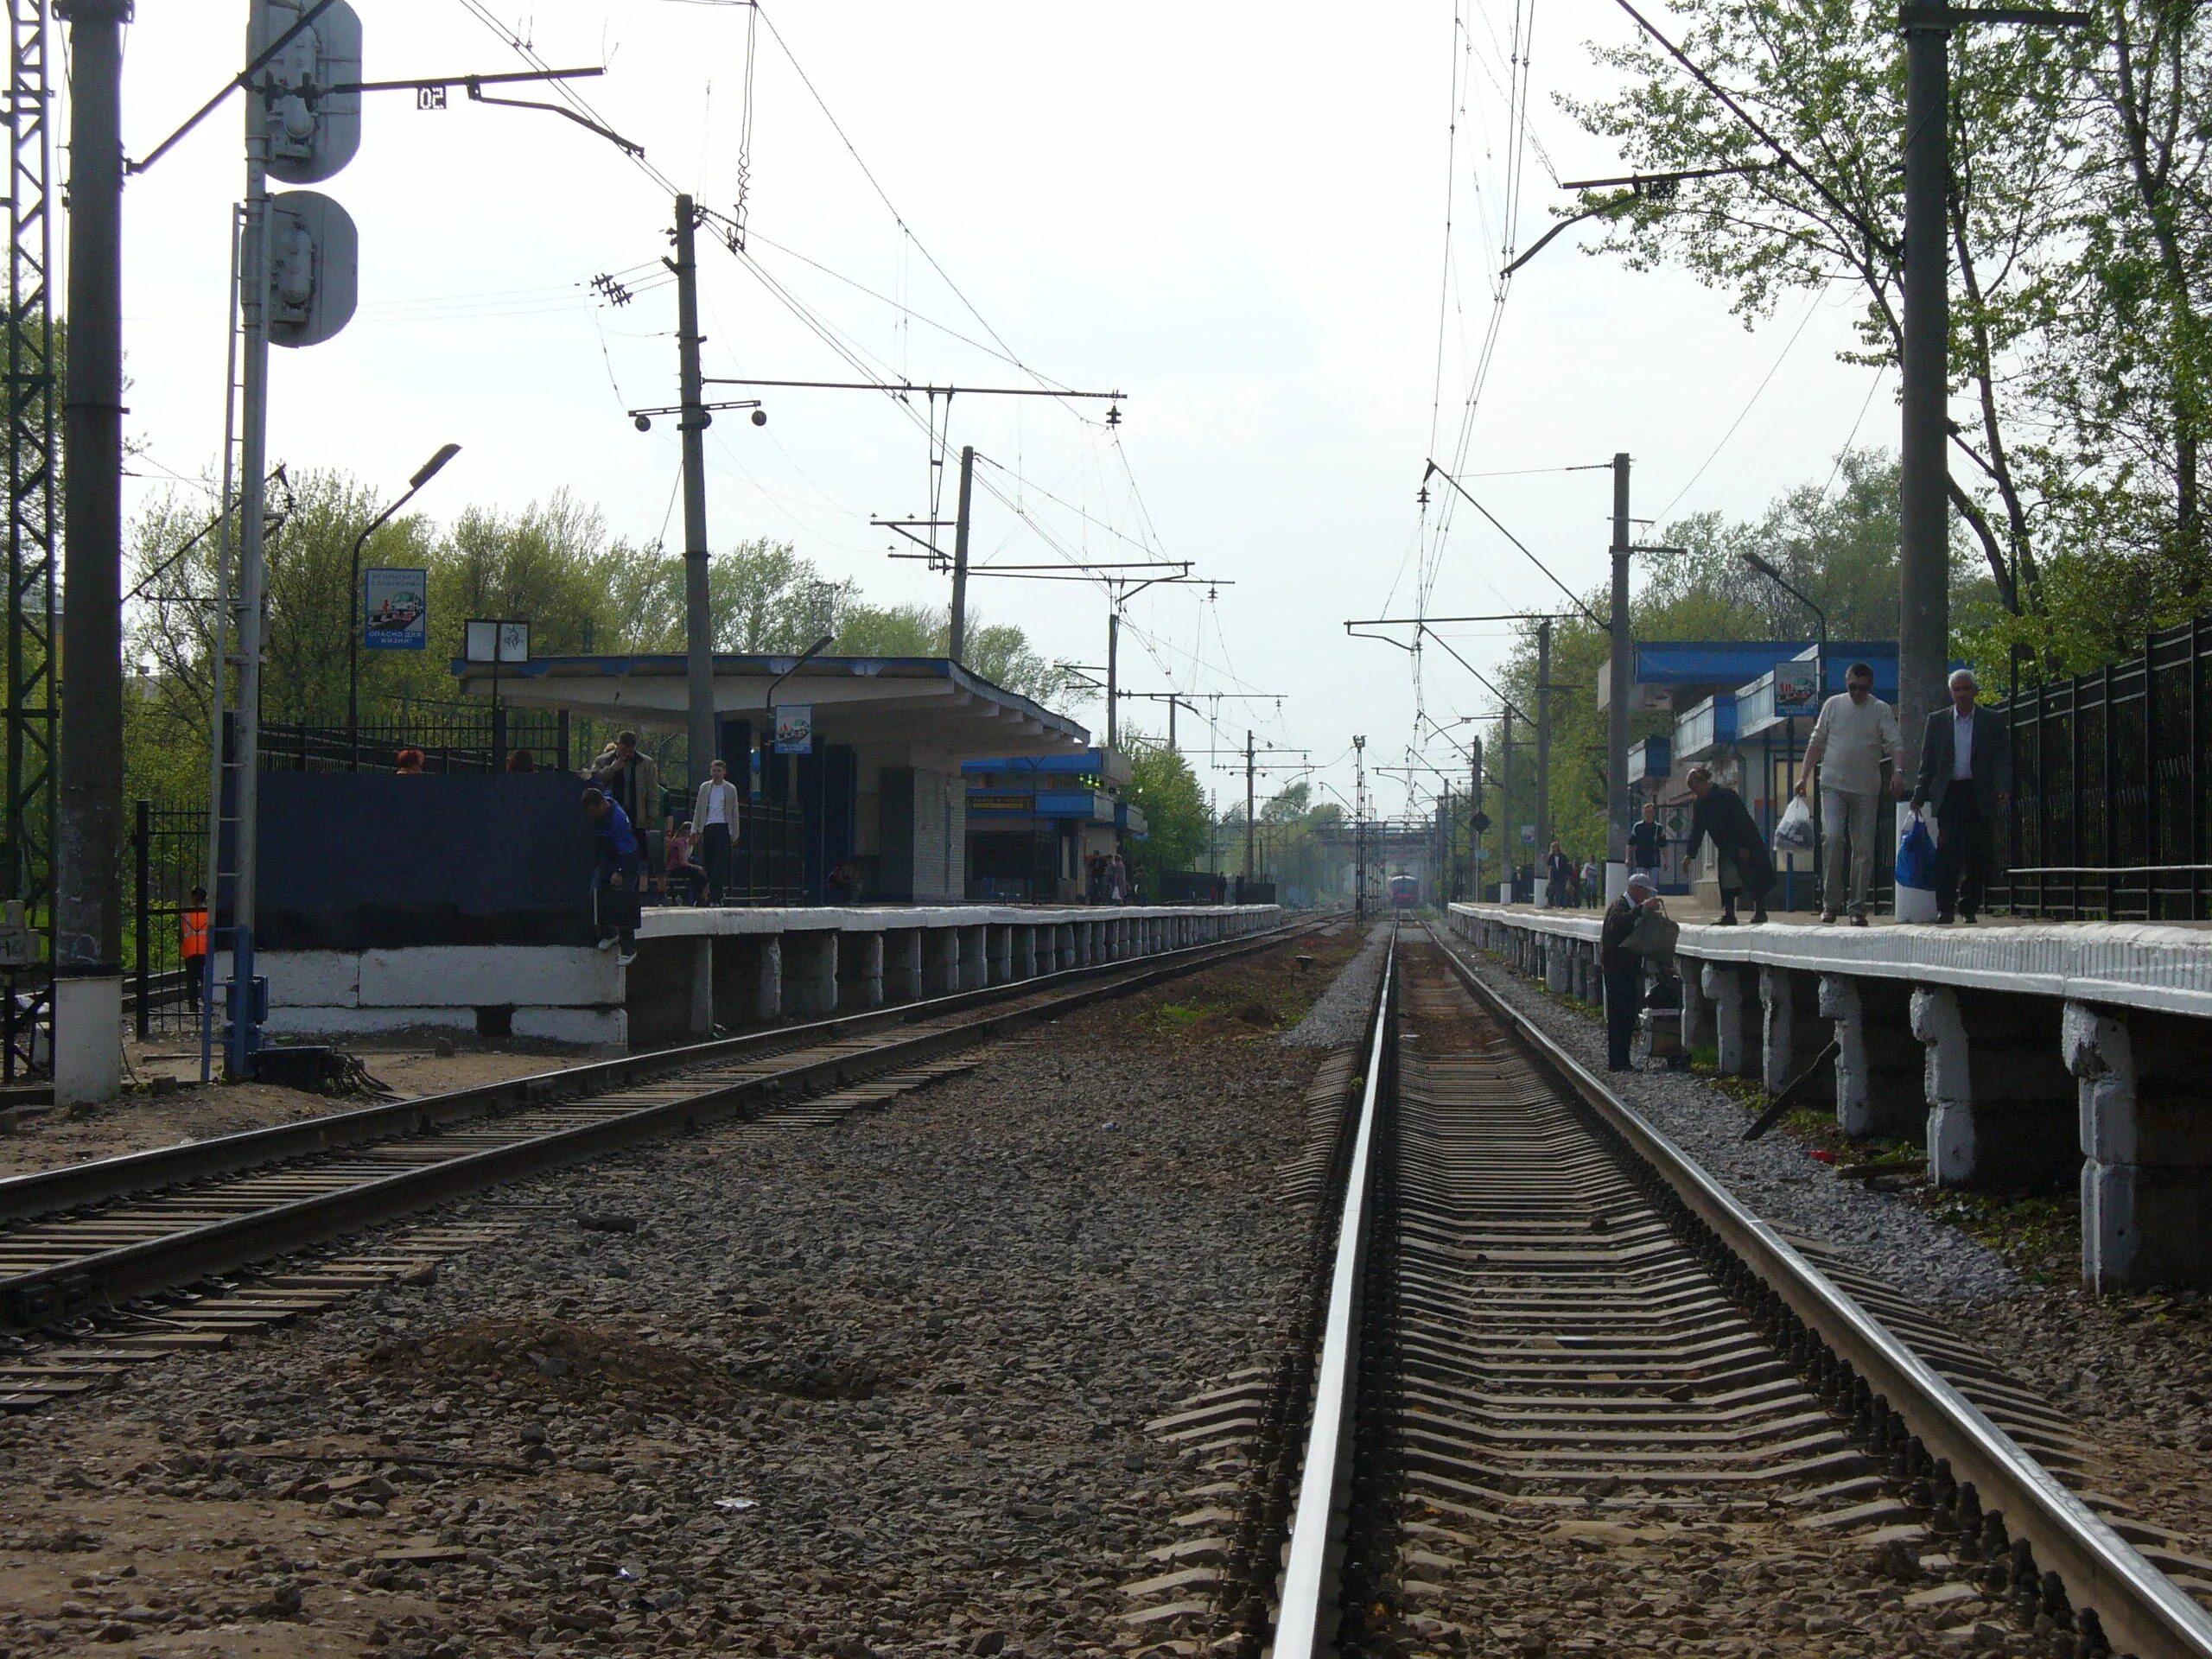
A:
[1825, 78]
[1162, 784]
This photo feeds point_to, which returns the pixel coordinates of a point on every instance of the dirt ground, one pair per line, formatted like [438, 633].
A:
[43, 1137]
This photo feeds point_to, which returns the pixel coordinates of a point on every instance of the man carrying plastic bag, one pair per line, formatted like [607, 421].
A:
[1854, 745]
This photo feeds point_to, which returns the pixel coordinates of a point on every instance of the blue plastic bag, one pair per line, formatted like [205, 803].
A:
[1916, 857]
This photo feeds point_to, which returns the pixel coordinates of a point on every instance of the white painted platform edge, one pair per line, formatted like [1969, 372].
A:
[2130, 964]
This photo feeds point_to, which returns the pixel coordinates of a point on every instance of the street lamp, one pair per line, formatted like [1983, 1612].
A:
[1819, 687]
[428, 470]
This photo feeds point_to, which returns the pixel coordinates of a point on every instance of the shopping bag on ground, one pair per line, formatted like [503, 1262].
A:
[1794, 834]
[1917, 857]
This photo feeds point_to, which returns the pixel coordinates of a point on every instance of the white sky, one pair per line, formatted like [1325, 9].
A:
[1234, 213]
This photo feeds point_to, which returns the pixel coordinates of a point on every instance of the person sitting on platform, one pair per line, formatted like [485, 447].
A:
[620, 874]
[684, 871]
[844, 884]
[410, 764]
[521, 760]
[1744, 867]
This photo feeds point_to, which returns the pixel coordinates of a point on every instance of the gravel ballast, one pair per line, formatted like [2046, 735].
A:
[879, 1388]
[1340, 1016]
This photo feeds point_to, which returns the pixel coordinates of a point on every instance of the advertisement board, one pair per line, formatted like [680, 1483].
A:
[1796, 689]
[394, 609]
[795, 729]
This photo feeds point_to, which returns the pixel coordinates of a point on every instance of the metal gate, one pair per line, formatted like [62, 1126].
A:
[169, 857]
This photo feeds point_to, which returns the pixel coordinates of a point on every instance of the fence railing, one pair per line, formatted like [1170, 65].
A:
[450, 740]
[2110, 772]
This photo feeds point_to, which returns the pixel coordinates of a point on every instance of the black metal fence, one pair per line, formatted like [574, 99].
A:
[2110, 773]
[451, 739]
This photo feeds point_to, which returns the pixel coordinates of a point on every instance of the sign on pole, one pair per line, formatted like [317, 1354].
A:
[794, 725]
[493, 640]
[1796, 689]
[394, 609]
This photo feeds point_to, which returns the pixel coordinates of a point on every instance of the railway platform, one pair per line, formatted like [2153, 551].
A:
[735, 968]
[2018, 1054]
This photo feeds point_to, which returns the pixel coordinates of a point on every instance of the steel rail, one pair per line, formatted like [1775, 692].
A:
[134, 1270]
[1309, 1582]
[2142, 1611]
[102, 1179]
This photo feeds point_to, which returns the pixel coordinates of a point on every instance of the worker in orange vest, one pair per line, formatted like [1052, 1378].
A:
[192, 945]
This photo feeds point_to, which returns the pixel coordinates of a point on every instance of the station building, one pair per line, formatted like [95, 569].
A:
[1035, 823]
[882, 783]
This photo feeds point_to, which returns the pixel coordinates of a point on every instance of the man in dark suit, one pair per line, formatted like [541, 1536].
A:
[1965, 757]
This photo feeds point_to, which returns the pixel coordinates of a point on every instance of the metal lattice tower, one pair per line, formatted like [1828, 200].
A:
[26, 858]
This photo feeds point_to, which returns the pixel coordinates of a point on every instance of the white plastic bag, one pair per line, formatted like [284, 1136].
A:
[1794, 834]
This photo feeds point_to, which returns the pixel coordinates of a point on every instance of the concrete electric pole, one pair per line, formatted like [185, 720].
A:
[1250, 868]
[956, 641]
[1617, 703]
[88, 836]
[698, 601]
[1924, 506]
[1543, 736]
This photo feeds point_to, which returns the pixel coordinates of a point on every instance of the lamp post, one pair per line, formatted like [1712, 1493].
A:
[428, 470]
[1820, 688]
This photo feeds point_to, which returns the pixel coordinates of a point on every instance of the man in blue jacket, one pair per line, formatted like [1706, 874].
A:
[619, 875]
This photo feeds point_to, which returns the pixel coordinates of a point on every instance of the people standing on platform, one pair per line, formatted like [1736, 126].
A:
[1622, 971]
[1855, 746]
[1965, 767]
[1745, 870]
[1646, 839]
[521, 760]
[408, 763]
[619, 875]
[631, 778]
[684, 871]
[192, 945]
[1593, 884]
[716, 814]
[843, 886]
[1559, 878]
[1117, 879]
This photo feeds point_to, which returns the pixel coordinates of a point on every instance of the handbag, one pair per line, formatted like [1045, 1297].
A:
[1653, 934]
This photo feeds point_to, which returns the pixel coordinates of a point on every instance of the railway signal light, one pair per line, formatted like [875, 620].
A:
[312, 131]
[313, 267]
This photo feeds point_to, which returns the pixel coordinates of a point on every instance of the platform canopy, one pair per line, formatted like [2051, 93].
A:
[928, 703]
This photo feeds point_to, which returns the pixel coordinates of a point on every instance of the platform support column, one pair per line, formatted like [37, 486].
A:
[999, 937]
[2000, 1100]
[866, 949]
[768, 980]
[974, 968]
[1558, 965]
[902, 965]
[940, 961]
[701, 1022]
[812, 990]
[1878, 1087]
[1697, 1007]
[2147, 1135]
[1024, 952]
[1735, 1038]
[1788, 1000]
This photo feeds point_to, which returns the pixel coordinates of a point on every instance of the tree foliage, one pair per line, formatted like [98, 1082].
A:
[2080, 246]
[1162, 784]
[555, 562]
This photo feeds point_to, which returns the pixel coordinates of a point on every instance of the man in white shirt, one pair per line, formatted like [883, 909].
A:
[714, 814]
[1855, 745]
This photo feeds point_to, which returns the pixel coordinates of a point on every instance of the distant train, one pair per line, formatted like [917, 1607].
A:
[1405, 893]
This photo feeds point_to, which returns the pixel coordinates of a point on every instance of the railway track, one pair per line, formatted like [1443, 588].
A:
[92, 1239]
[1571, 1397]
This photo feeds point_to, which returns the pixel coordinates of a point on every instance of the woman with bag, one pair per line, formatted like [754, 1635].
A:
[1744, 867]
